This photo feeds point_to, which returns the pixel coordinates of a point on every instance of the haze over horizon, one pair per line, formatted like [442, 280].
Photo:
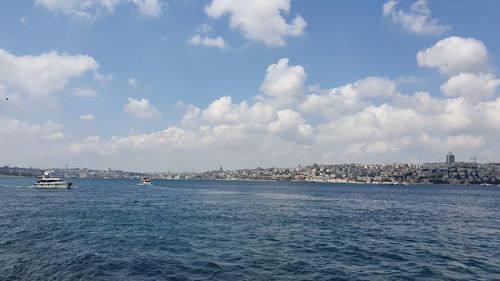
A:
[159, 85]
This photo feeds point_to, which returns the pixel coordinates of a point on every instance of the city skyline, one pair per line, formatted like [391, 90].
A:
[190, 85]
[449, 159]
[448, 172]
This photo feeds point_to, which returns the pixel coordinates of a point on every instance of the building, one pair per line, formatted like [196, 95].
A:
[450, 158]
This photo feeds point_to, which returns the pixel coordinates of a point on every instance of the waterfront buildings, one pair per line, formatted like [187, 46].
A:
[449, 172]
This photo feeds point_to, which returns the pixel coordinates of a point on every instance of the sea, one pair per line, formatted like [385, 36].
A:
[106, 229]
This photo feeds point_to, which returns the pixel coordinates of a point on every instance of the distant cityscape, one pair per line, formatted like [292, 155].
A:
[448, 172]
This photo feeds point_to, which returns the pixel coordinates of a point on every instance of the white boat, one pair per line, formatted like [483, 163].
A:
[49, 181]
[145, 181]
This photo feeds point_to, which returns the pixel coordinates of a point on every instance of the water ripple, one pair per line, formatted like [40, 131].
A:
[216, 230]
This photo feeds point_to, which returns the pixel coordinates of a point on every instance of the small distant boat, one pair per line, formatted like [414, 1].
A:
[47, 181]
[145, 181]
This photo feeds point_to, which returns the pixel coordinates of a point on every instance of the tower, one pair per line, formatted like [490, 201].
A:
[450, 158]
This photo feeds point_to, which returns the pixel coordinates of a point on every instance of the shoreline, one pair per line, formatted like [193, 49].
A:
[12, 176]
[290, 181]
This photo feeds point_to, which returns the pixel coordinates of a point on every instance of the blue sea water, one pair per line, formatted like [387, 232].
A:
[228, 230]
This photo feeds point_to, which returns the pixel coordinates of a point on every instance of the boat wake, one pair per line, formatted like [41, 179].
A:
[16, 186]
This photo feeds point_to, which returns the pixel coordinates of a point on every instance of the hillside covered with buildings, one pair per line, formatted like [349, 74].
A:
[449, 172]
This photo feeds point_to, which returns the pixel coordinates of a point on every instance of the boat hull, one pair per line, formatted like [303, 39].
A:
[61, 185]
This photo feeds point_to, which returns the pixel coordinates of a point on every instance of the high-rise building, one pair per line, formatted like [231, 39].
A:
[450, 158]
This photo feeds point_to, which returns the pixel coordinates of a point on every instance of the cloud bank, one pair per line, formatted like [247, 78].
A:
[368, 120]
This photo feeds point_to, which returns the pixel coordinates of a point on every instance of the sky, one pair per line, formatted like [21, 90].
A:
[185, 85]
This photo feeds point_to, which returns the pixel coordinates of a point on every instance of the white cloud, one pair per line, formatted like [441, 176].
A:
[467, 141]
[454, 142]
[7, 99]
[290, 125]
[491, 111]
[388, 7]
[349, 98]
[473, 87]
[284, 84]
[85, 92]
[453, 55]
[23, 20]
[372, 123]
[42, 75]
[14, 132]
[417, 20]
[92, 144]
[254, 121]
[158, 141]
[378, 147]
[190, 118]
[55, 136]
[87, 117]
[259, 20]
[223, 111]
[89, 10]
[132, 82]
[332, 103]
[141, 108]
[86, 10]
[371, 87]
[429, 141]
[149, 8]
[421, 102]
[204, 40]
[102, 77]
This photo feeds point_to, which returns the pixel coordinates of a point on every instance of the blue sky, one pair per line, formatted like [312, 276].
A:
[343, 83]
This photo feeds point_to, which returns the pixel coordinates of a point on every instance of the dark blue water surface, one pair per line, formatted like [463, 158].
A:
[225, 230]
